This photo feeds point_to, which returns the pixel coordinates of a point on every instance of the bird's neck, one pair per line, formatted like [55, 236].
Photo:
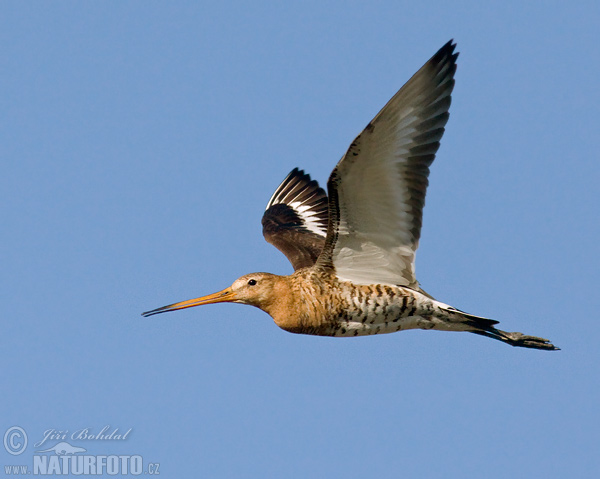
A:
[278, 298]
[295, 304]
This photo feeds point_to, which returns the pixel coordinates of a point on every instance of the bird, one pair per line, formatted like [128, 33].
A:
[353, 247]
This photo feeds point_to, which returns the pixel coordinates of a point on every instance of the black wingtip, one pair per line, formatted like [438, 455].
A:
[446, 50]
[293, 178]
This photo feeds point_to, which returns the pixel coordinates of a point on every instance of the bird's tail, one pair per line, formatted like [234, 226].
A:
[485, 327]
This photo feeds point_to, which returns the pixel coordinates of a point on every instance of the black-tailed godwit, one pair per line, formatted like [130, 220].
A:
[353, 248]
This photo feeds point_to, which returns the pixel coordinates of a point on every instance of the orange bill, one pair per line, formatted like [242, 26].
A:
[227, 295]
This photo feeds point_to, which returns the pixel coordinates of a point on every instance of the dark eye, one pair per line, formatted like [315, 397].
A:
[251, 282]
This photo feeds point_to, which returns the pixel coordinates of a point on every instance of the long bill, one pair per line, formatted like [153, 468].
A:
[227, 295]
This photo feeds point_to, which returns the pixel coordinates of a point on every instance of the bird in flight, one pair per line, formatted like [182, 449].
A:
[353, 248]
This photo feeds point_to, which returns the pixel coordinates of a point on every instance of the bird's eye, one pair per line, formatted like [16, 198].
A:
[251, 282]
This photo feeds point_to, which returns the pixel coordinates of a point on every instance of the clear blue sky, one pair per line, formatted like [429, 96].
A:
[140, 142]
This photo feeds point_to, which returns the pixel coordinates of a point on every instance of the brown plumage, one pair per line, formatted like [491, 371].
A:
[353, 249]
[295, 220]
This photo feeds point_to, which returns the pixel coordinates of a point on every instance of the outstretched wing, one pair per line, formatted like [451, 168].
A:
[377, 190]
[295, 220]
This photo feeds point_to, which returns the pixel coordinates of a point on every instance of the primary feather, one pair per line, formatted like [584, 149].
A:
[295, 220]
[377, 190]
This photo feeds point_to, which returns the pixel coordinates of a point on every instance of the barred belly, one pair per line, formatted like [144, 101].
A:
[378, 309]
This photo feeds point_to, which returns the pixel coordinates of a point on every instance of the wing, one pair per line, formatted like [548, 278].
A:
[377, 190]
[295, 220]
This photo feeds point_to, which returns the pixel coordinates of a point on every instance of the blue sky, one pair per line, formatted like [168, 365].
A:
[140, 142]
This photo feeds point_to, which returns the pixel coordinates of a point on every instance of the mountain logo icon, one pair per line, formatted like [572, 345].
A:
[64, 449]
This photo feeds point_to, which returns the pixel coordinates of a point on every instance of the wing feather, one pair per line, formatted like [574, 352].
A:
[377, 190]
[295, 219]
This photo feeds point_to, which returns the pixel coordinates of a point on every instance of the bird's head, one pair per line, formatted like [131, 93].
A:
[255, 289]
